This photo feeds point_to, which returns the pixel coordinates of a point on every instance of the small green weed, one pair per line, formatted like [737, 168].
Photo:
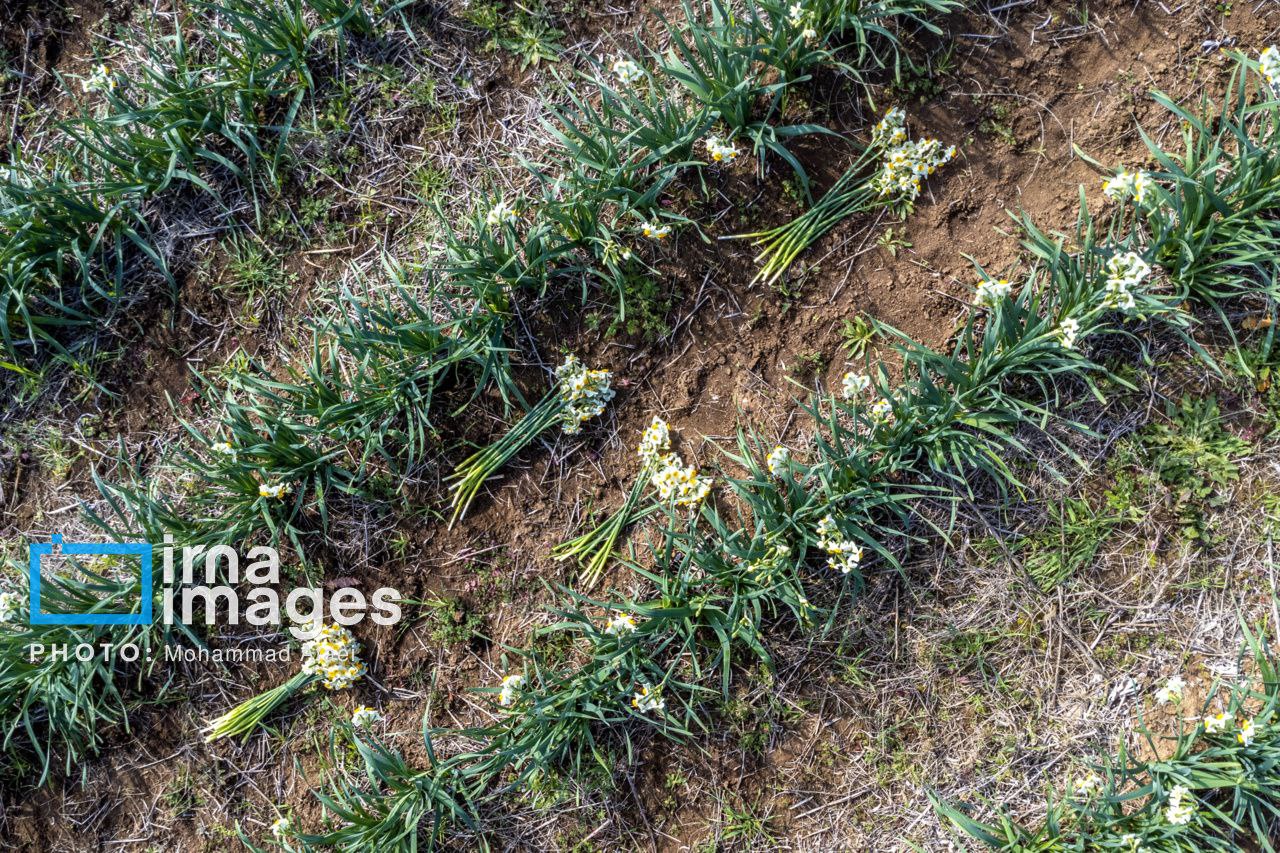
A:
[1196, 458]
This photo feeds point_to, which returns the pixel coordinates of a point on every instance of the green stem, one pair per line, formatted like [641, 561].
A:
[594, 549]
[245, 717]
[472, 473]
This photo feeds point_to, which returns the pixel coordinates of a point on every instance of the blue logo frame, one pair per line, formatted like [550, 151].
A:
[142, 550]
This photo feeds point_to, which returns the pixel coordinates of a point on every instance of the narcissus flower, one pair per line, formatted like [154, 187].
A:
[627, 71]
[100, 80]
[881, 411]
[655, 442]
[799, 16]
[648, 699]
[1218, 722]
[843, 555]
[364, 716]
[1134, 842]
[1138, 186]
[668, 474]
[906, 162]
[778, 460]
[501, 214]
[1269, 65]
[992, 291]
[621, 623]
[511, 687]
[1089, 785]
[1247, 732]
[8, 606]
[1171, 691]
[586, 392]
[853, 383]
[721, 151]
[1068, 331]
[655, 230]
[1124, 273]
[280, 828]
[890, 130]
[680, 483]
[1181, 807]
[271, 490]
[334, 655]
[223, 447]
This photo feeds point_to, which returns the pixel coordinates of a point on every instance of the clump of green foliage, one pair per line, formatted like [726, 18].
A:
[1195, 456]
[1215, 790]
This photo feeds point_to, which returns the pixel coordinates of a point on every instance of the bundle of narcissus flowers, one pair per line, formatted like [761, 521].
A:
[578, 395]
[331, 658]
[906, 162]
[585, 392]
[681, 485]
[890, 172]
[334, 656]
[673, 480]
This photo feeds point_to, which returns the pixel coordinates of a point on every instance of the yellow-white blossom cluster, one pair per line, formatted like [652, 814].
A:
[1089, 785]
[1134, 843]
[655, 443]
[1269, 65]
[8, 606]
[622, 623]
[1068, 332]
[842, 554]
[671, 477]
[655, 230]
[501, 214]
[992, 291]
[681, 483]
[512, 685]
[1247, 732]
[1218, 723]
[271, 490]
[100, 80]
[627, 71]
[799, 16]
[1221, 723]
[853, 384]
[721, 151]
[881, 412]
[280, 827]
[1181, 807]
[1171, 691]
[223, 447]
[648, 699]
[585, 392]
[1130, 185]
[907, 162]
[778, 461]
[891, 130]
[1124, 273]
[334, 655]
[364, 716]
